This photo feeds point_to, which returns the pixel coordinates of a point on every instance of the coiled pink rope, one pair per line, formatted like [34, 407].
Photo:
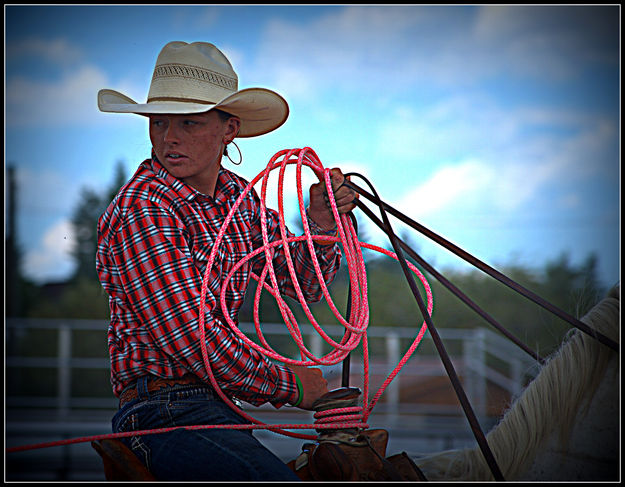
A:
[356, 327]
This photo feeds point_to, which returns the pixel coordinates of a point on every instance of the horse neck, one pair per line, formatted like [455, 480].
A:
[548, 406]
[561, 395]
[590, 450]
[585, 446]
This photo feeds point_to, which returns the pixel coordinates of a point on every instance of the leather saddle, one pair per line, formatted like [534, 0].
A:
[351, 454]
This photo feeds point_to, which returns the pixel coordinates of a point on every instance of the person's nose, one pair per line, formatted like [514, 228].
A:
[172, 133]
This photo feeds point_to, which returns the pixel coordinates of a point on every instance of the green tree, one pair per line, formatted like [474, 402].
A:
[14, 281]
[84, 298]
[84, 220]
[20, 292]
[574, 289]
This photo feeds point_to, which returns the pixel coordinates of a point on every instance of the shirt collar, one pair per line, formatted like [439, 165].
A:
[225, 188]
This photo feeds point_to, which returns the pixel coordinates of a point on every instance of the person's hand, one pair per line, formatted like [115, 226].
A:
[319, 209]
[313, 384]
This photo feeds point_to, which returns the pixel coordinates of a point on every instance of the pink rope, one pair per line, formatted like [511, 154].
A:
[355, 326]
[352, 250]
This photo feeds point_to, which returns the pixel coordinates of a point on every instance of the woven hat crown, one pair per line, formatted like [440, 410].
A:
[197, 72]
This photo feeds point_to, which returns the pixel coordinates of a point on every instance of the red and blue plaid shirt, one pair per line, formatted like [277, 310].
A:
[154, 241]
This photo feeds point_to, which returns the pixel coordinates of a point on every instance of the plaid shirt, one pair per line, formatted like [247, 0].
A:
[154, 241]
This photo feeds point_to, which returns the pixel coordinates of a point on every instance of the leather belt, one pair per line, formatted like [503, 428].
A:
[156, 384]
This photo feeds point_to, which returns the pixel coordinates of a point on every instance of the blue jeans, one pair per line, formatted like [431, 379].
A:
[203, 454]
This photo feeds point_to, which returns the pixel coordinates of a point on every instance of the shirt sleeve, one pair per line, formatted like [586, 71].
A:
[163, 285]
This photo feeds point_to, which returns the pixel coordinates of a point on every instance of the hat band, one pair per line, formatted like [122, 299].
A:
[195, 73]
[183, 100]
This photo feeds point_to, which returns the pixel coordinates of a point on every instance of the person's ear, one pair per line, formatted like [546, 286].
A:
[233, 125]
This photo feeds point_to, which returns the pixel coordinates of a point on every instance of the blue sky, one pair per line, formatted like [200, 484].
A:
[496, 127]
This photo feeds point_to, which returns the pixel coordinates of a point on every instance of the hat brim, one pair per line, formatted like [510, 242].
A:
[260, 110]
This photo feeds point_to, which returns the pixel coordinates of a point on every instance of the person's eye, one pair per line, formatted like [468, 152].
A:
[190, 122]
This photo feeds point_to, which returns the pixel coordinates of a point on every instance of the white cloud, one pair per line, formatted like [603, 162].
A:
[347, 47]
[500, 182]
[296, 82]
[43, 190]
[63, 99]
[459, 186]
[236, 58]
[68, 100]
[547, 41]
[200, 18]
[58, 51]
[51, 259]
[450, 128]
[531, 149]
[407, 48]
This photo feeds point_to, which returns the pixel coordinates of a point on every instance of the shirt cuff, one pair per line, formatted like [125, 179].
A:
[286, 392]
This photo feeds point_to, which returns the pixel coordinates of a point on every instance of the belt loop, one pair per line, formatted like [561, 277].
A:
[142, 387]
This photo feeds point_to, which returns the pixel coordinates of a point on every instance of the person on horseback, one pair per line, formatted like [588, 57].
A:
[154, 240]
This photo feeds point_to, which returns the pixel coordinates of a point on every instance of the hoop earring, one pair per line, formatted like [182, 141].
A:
[228, 155]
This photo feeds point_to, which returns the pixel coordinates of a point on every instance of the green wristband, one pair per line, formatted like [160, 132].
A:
[300, 389]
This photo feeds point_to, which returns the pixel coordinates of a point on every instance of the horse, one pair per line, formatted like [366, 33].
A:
[564, 426]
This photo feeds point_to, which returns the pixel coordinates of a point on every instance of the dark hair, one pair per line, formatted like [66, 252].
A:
[224, 116]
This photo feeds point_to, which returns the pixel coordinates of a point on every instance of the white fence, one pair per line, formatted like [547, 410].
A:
[477, 345]
[481, 357]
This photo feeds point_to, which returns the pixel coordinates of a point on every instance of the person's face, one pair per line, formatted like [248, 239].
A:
[190, 147]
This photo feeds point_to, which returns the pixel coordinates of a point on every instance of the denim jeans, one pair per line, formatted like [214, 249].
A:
[203, 454]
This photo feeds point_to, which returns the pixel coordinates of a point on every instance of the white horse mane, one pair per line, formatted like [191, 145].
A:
[564, 386]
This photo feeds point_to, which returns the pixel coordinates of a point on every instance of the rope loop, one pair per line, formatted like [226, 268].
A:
[355, 325]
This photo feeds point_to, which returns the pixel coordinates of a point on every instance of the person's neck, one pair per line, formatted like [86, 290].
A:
[205, 185]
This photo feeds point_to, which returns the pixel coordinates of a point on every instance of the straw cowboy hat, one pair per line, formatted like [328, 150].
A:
[194, 78]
